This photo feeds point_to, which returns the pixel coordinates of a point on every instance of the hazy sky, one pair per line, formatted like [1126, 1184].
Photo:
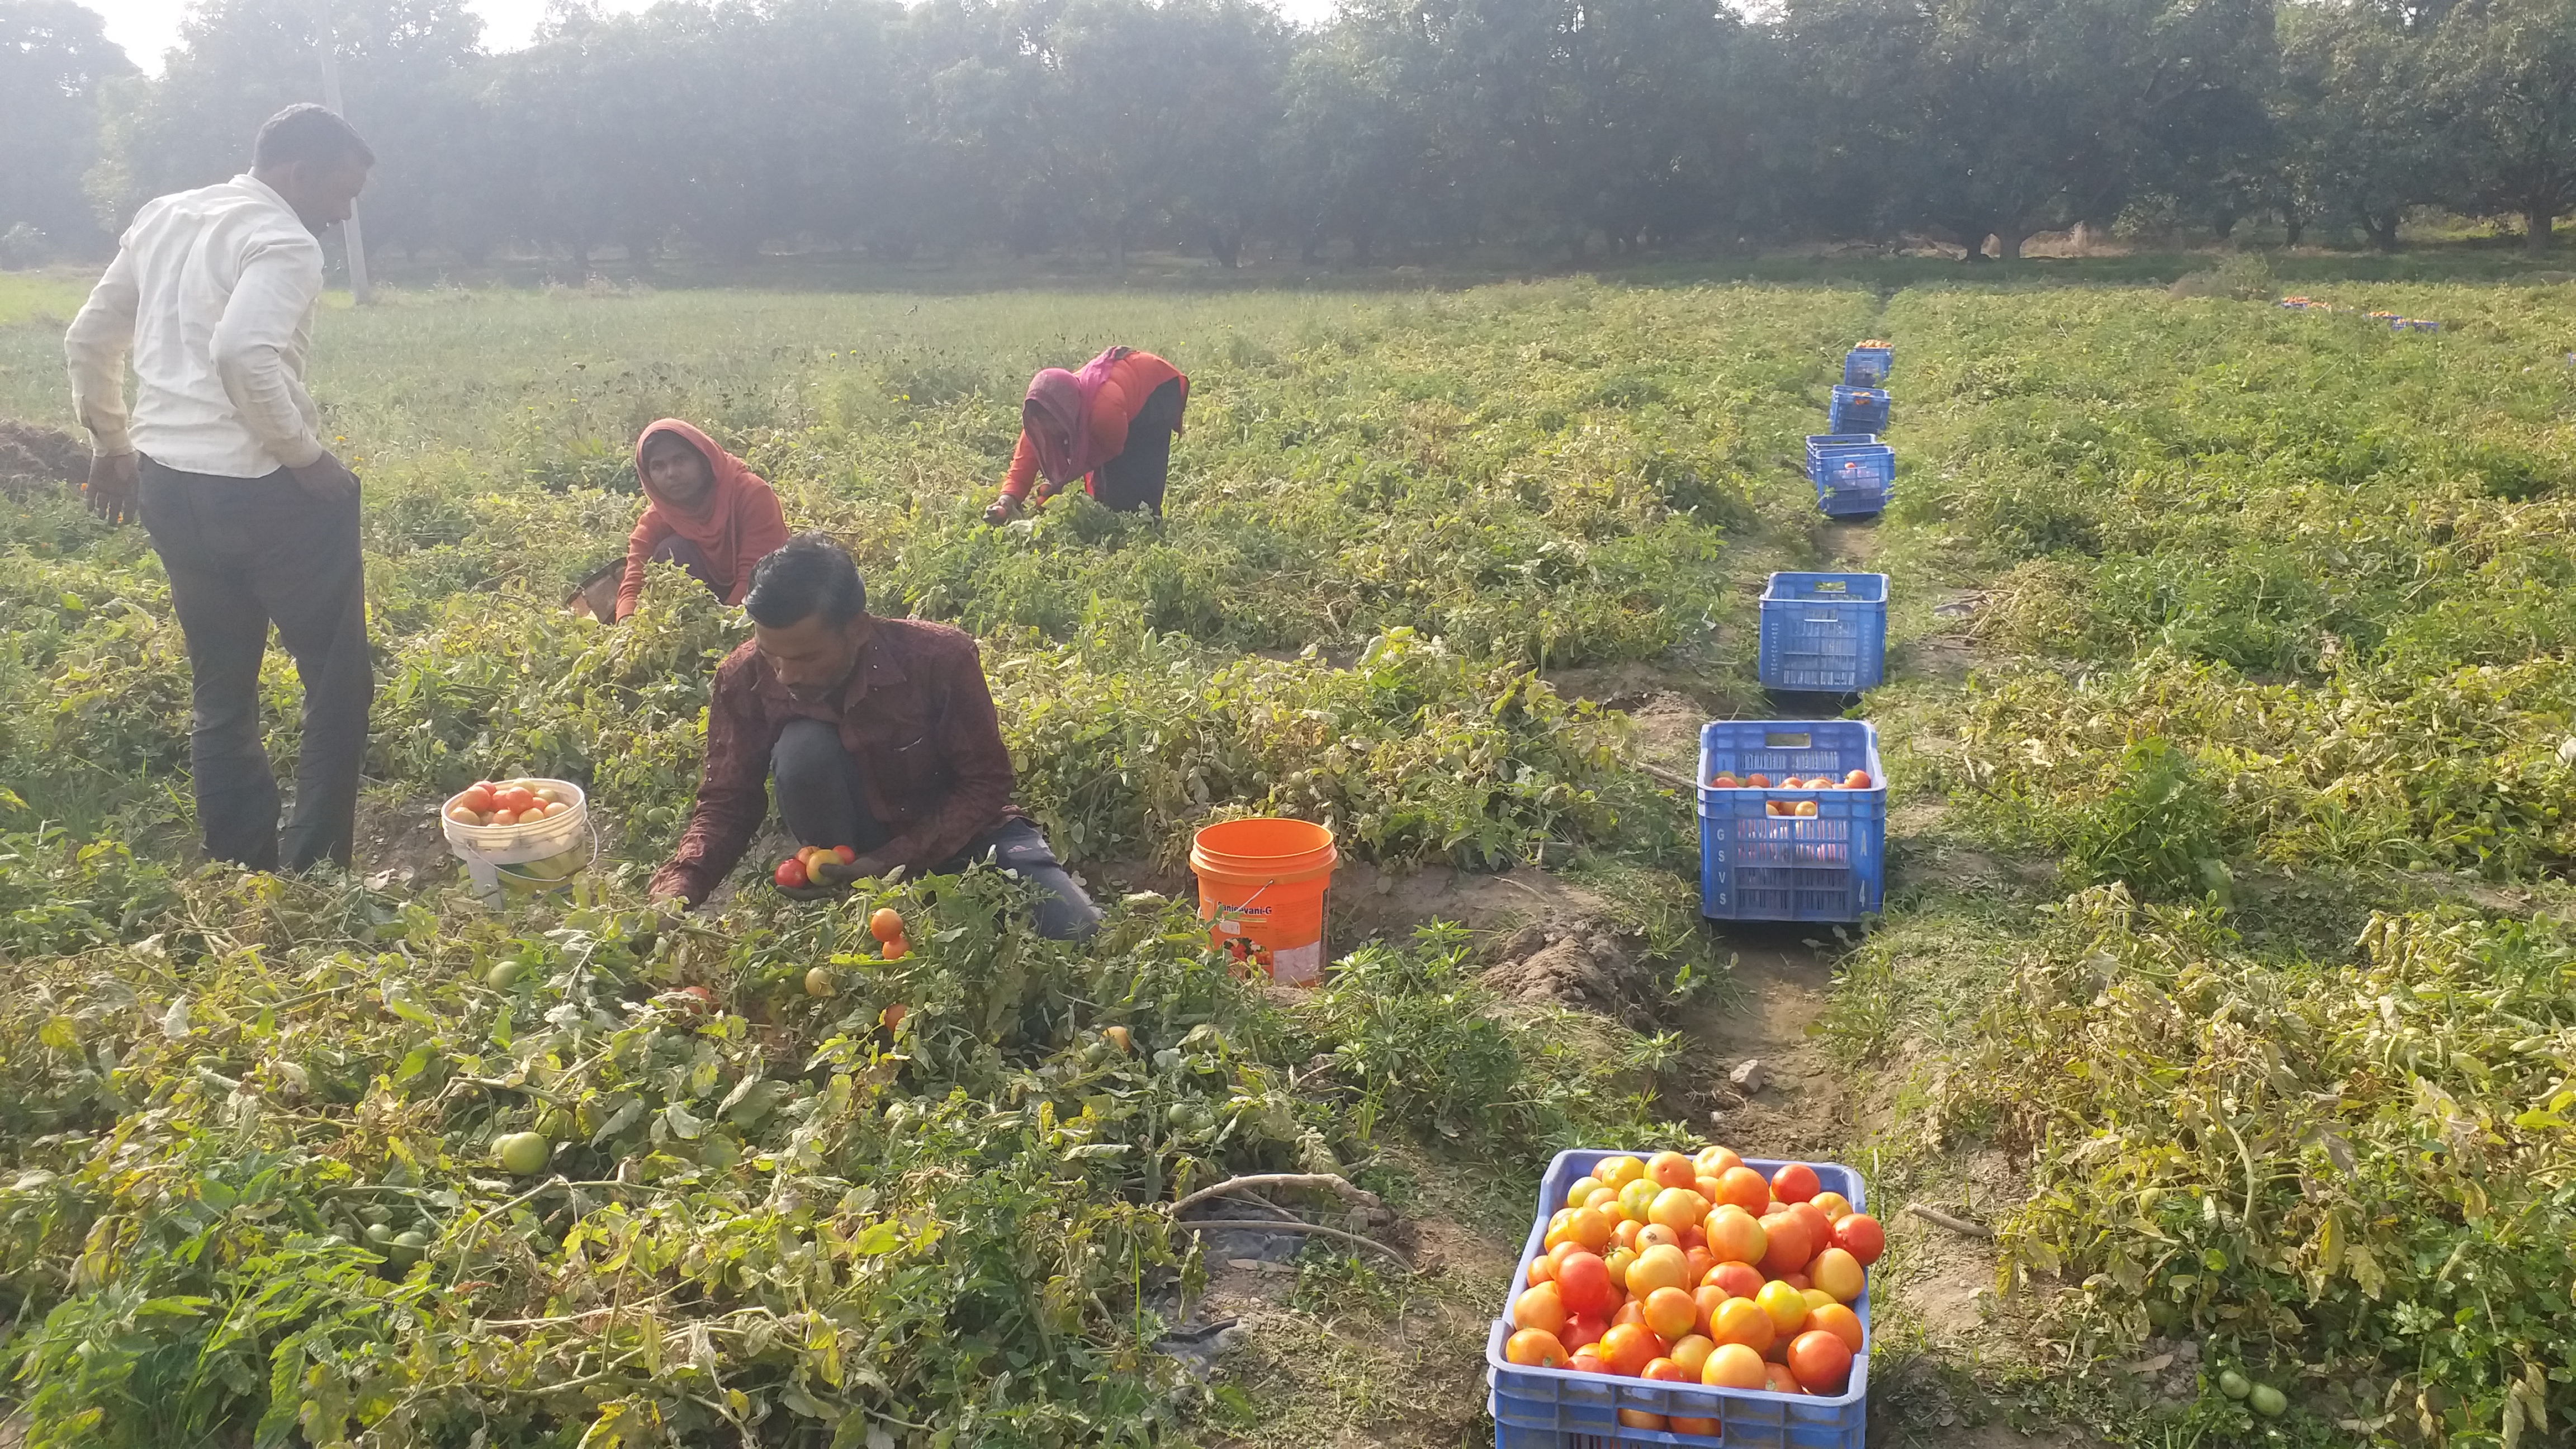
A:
[146, 28]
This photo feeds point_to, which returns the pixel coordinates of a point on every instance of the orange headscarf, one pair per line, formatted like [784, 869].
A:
[736, 525]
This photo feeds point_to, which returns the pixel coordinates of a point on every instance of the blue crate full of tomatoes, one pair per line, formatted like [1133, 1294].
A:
[1858, 410]
[1792, 820]
[1869, 364]
[1706, 1297]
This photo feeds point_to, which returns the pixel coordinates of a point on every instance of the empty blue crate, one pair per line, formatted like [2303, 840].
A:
[1760, 859]
[1866, 366]
[1854, 473]
[1859, 410]
[1824, 632]
[1541, 1408]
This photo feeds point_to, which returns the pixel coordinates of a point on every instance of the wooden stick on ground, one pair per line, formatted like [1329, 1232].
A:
[1278, 1179]
[1961, 1226]
[1264, 1225]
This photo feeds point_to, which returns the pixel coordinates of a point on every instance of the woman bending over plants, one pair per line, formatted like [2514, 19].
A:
[1111, 425]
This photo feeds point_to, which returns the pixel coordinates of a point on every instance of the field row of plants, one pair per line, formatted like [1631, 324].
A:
[2274, 667]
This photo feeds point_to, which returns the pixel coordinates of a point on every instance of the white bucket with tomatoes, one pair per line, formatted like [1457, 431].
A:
[520, 839]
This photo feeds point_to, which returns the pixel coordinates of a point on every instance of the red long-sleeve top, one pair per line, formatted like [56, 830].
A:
[917, 714]
[1132, 380]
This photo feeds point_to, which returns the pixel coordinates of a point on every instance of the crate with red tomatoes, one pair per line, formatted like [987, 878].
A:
[1668, 1297]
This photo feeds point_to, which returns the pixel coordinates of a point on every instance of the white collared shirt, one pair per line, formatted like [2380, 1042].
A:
[212, 292]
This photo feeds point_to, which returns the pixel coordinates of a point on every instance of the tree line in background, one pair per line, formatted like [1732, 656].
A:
[1399, 128]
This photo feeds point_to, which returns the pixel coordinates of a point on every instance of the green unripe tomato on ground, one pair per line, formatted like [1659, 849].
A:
[504, 975]
[2234, 1385]
[818, 982]
[2268, 1401]
[407, 1248]
[522, 1153]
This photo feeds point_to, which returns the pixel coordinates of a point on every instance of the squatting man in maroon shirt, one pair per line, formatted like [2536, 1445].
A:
[878, 734]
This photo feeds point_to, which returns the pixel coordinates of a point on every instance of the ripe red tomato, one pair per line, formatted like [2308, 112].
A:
[1795, 1182]
[1736, 1280]
[1534, 1348]
[1821, 1360]
[1861, 1236]
[1581, 1332]
[790, 873]
[1820, 1228]
[514, 798]
[1585, 1361]
[1790, 1243]
[477, 799]
[1777, 1378]
[699, 998]
[1664, 1370]
[1745, 1188]
[896, 949]
[844, 854]
[1583, 1282]
[885, 924]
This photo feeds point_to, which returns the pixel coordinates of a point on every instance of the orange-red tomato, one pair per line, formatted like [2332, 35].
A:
[1625, 1233]
[1629, 1347]
[1583, 1282]
[1735, 1236]
[1735, 1280]
[1706, 1299]
[1641, 1419]
[1745, 1188]
[896, 949]
[1799, 1281]
[1582, 1332]
[1690, 1351]
[1821, 1360]
[1541, 1308]
[504, 817]
[1861, 1236]
[1534, 1348]
[1688, 1424]
[1542, 1269]
[1732, 1366]
[883, 922]
[1707, 1187]
[1632, 1311]
[1758, 781]
[1671, 1169]
[1839, 1321]
[1741, 1320]
[1585, 1361]
[1820, 1229]
[1650, 1234]
[1791, 1244]
[1778, 1378]
[513, 797]
[1699, 1262]
[1670, 1313]
[1665, 1370]
[477, 799]
[1695, 1235]
[1857, 780]
[1714, 1161]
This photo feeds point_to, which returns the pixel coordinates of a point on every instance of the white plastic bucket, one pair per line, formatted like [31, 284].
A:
[513, 862]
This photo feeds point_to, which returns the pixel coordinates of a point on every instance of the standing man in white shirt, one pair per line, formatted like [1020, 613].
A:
[211, 294]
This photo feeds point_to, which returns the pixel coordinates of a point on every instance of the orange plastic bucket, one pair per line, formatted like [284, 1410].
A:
[1261, 891]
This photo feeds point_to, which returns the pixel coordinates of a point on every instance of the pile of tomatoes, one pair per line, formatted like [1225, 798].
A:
[510, 802]
[1729, 780]
[797, 871]
[1699, 1270]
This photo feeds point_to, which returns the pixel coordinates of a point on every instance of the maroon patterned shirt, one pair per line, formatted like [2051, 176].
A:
[917, 715]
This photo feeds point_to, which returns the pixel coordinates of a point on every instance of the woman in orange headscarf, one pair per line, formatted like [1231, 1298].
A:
[1111, 425]
[709, 514]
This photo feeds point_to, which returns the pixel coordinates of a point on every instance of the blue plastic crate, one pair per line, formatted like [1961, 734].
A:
[1859, 410]
[1854, 473]
[1868, 366]
[1757, 866]
[1824, 632]
[1537, 1408]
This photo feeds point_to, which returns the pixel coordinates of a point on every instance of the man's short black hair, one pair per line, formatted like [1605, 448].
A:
[311, 133]
[807, 575]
